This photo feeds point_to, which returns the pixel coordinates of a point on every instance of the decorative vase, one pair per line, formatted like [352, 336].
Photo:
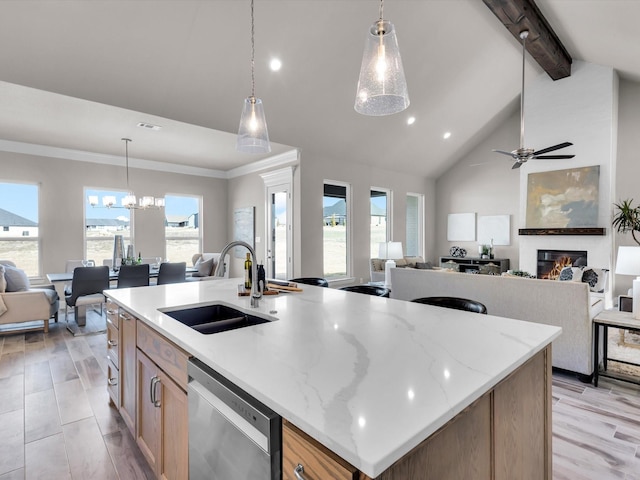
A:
[457, 252]
[118, 252]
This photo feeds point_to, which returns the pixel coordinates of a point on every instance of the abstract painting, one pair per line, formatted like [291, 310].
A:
[563, 198]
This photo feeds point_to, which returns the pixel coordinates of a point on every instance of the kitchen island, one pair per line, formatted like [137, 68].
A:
[367, 377]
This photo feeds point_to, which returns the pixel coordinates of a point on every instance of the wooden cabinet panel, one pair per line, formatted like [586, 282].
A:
[169, 357]
[318, 462]
[127, 362]
[175, 431]
[148, 418]
[522, 422]
[113, 383]
[113, 343]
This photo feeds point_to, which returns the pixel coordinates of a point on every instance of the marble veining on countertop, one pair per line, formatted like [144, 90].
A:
[368, 377]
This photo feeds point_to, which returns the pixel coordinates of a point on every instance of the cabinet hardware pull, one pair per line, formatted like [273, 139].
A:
[298, 472]
[154, 399]
[112, 381]
[124, 316]
[111, 312]
[112, 343]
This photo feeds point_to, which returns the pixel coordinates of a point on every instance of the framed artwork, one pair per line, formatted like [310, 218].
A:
[461, 227]
[494, 227]
[563, 198]
[243, 229]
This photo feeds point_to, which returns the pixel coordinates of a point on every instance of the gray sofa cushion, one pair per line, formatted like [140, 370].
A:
[17, 280]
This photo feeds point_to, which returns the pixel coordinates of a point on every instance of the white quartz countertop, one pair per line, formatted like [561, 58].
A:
[368, 377]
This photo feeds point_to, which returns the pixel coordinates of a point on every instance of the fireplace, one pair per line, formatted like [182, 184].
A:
[550, 262]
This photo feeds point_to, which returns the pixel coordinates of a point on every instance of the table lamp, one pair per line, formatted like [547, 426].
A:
[628, 263]
[390, 251]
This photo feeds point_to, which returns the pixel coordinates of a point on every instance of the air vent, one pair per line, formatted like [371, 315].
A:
[148, 126]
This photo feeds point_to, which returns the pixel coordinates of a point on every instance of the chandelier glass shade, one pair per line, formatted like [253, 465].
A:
[129, 201]
[253, 136]
[382, 87]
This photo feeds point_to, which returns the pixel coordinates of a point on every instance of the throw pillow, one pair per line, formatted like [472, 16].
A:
[17, 280]
[401, 263]
[3, 282]
[378, 264]
[204, 267]
[570, 274]
[596, 278]
[424, 266]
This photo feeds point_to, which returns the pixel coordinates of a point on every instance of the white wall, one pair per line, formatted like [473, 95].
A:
[580, 109]
[490, 187]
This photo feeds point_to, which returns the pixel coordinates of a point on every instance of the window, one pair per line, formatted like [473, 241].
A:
[19, 240]
[415, 209]
[380, 226]
[103, 223]
[336, 238]
[182, 232]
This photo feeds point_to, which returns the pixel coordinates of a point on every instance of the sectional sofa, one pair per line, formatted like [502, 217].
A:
[569, 305]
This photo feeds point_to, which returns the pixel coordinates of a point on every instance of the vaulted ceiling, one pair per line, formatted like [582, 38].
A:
[99, 67]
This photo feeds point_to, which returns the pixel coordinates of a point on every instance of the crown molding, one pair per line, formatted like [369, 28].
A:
[271, 162]
[92, 157]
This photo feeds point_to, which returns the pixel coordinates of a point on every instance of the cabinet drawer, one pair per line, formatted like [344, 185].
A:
[169, 357]
[112, 313]
[318, 462]
[113, 382]
[112, 344]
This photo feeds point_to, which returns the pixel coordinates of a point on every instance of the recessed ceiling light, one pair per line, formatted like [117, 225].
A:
[411, 120]
[149, 126]
[446, 135]
[275, 64]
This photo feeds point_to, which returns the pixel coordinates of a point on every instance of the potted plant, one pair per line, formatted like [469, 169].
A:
[627, 218]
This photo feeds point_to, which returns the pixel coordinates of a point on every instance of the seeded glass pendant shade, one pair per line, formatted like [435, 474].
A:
[253, 136]
[382, 88]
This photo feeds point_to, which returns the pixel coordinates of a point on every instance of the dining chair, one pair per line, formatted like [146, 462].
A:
[454, 302]
[368, 290]
[133, 276]
[172, 273]
[317, 281]
[87, 286]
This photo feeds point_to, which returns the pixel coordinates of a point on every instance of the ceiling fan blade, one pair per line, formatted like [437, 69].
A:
[551, 149]
[553, 157]
[504, 153]
[516, 165]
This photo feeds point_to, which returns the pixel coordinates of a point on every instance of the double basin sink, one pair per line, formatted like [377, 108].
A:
[214, 318]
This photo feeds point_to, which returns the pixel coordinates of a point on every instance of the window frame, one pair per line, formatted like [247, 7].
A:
[348, 230]
[21, 237]
[200, 200]
[388, 219]
[419, 227]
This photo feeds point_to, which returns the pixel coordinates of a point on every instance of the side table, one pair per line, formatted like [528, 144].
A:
[604, 320]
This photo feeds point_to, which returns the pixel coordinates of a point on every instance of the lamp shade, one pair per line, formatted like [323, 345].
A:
[628, 262]
[390, 250]
[253, 136]
[382, 88]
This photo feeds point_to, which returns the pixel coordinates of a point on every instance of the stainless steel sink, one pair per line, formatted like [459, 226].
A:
[213, 318]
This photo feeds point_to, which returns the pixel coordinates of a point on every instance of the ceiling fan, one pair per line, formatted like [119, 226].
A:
[522, 154]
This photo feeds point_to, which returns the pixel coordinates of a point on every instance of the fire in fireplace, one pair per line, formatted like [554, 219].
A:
[551, 262]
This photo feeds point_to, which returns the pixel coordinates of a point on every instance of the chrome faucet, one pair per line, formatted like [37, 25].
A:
[256, 289]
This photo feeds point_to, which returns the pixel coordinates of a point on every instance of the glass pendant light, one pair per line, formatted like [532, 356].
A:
[253, 136]
[382, 88]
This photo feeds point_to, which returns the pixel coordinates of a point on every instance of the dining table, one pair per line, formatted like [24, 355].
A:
[113, 275]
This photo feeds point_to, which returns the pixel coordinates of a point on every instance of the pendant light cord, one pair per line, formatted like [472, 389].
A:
[126, 153]
[381, 8]
[253, 53]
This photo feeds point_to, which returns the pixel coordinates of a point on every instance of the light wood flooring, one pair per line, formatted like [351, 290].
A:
[56, 421]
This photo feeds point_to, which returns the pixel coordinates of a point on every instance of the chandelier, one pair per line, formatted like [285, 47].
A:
[129, 201]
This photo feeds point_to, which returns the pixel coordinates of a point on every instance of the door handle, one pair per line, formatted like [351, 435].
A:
[152, 391]
[298, 472]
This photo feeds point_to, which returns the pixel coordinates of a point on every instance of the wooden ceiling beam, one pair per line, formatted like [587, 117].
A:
[543, 44]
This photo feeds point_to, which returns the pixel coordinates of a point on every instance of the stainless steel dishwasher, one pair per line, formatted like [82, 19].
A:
[231, 434]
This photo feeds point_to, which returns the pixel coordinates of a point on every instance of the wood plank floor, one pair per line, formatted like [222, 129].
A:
[56, 421]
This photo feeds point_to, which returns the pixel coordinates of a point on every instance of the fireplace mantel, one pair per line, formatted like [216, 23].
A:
[563, 231]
